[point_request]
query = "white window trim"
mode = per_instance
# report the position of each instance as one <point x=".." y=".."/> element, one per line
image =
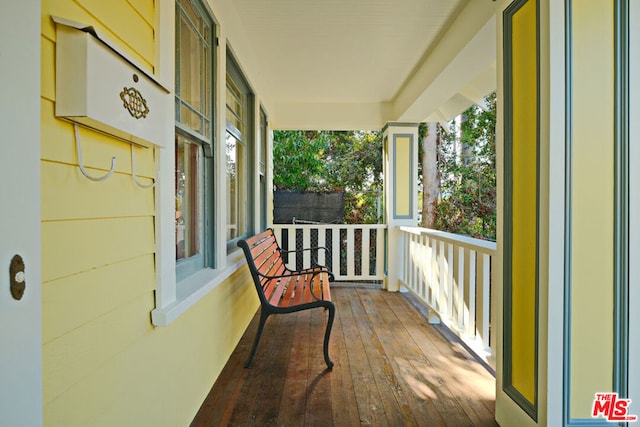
<point x="191" y="290"/>
<point x="175" y="298"/>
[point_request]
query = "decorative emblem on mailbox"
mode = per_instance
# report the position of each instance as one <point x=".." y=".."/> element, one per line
<point x="133" y="101"/>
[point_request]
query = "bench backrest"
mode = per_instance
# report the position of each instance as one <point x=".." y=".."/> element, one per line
<point x="264" y="259"/>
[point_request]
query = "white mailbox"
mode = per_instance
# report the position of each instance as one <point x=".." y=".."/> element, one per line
<point x="98" y="87"/>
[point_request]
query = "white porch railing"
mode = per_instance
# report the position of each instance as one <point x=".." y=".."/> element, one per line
<point x="449" y="273"/>
<point x="452" y="275"/>
<point x="355" y="252"/>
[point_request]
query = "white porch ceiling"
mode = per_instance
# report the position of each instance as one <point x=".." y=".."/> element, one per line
<point x="349" y="64"/>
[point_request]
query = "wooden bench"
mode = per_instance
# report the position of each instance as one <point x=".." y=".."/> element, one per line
<point x="282" y="290"/>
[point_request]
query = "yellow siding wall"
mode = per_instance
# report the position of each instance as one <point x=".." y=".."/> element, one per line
<point x="592" y="199"/>
<point x="104" y="364"/>
<point x="524" y="216"/>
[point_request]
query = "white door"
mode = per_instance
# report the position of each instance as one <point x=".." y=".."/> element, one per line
<point x="20" y="320"/>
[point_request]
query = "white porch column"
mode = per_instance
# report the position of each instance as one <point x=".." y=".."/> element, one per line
<point x="401" y="193"/>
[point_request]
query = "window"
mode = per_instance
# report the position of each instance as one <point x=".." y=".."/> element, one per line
<point x="188" y="201"/>
<point x="193" y="147"/>
<point x="194" y="77"/>
<point x="205" y="155"/>
<point x="262" y="168"/>
<point x="238" y="146"/>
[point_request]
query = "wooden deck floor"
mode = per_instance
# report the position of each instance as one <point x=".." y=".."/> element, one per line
<point x="391" y="369"/>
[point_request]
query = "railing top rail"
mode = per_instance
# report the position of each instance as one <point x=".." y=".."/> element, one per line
<point x="479" y="245"/>
<point x="329" y="226"/>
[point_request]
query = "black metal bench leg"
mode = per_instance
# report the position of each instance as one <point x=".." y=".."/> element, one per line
<point x="327" y="334"/>
<point x="263" y="318"/>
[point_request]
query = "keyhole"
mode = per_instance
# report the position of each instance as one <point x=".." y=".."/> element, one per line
<point x="17" y="282"/>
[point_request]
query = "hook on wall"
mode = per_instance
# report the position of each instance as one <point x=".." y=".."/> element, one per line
<point x="133" y="171"/>
<point x="80" y="162"/>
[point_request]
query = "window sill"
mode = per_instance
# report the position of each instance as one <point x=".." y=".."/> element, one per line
<point x="192" y="289"/>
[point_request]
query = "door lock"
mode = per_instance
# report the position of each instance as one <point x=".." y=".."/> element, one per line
<point x="17" y="277"/>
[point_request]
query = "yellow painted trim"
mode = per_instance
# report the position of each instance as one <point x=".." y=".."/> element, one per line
<point x="524" y="199"/>
<point x="402" y="163"/>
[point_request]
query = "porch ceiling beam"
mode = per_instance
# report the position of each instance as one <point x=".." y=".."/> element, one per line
<point x="438" y="117"/>
<point x="463" y="61"/>
<point x="330" y="116"/>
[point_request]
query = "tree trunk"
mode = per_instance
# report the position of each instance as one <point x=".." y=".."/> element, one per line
<point x="430" y="176"/>
<point x="466" y="153"/>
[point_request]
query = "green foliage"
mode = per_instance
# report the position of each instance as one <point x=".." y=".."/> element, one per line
<point x="467" y="166"/>
<point x="332" y="161"/>
<point x="352" y="162"/>
<point x="298" y="160"/>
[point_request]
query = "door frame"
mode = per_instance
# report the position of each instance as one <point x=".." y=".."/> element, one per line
<point x="634" y="211"/>
<point x="21" y="401"/>
<point x="551" y="208"/>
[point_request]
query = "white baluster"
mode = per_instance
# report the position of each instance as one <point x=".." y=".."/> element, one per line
<point x="366" y="234"/>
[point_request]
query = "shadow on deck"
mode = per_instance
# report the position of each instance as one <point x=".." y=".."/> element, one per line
<point x="391" y="369"/>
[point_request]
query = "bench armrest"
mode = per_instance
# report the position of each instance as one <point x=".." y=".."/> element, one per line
<point x="314" y="248"/>
<point x="315" y="269"/>
<point x="314" y="259"/>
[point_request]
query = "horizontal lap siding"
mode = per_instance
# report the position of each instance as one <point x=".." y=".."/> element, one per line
<point x="106" y="288"/>
<point x="129" y="24"/>
<point x="59" y="146"/>
<point x="158" y="376"/>
<point x="81" y="351"/>
<point x="76" y="246"/>
<point x="98" y="238"/>
<point x="104" y="363"/>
